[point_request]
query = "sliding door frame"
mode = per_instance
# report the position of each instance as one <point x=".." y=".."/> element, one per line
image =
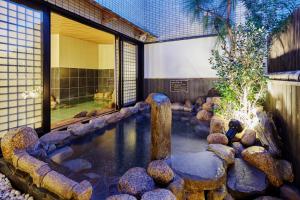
<point x="46" y="9"/>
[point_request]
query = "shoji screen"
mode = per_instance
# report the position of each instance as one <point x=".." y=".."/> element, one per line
<point x="20" y="66"/>
<point x="129" y="73"/>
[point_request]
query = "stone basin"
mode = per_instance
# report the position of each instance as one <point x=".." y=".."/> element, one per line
<point x="200" y="171"/>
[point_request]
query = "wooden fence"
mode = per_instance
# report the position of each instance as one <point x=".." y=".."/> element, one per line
<point x="284" y="93"/>
<point x="285" y="51"/>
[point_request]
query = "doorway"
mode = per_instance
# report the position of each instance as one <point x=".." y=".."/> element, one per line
<point x="82" y="71"/>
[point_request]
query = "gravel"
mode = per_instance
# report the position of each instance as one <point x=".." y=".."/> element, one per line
<point x="8" y="193"/>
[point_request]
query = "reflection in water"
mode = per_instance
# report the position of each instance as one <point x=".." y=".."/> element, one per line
<point x="127" y="144"/>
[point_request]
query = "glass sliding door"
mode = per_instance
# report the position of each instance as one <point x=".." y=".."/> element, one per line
<point x="129" y="73"/>
<point x="82" y="71"/>
<point x="21" y="84"/>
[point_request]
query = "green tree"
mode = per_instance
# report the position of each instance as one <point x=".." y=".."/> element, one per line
<point x="239" y="59"/>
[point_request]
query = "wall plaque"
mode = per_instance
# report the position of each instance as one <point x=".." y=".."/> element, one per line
<point x="179" y="85"/>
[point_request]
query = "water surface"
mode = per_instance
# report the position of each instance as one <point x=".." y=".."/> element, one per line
<point x="119" y="147"/>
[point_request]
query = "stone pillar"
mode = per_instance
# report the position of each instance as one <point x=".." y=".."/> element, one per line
<point x="161" y="124"/>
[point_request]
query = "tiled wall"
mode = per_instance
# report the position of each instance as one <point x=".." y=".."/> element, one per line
<point x="72" y="85"/>
<point x="92" y="12"/>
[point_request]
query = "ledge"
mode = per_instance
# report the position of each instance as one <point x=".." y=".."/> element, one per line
<point x="285" y="76"/>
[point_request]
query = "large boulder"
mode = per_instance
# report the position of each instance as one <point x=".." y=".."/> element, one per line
<point x="217" y="138"/>
<point x="160" y="171"/>
<point x="200" y="171"/>
<point x="217" y="125"/>
<point x="80" y="129"/>
<point x="61" y="155"/>
<point x="126" y="111"/>
<point x="121" y="197"/>
<point x="142" y="106"/>
<point x="55" y="137"/>
<point x="159" y="194"/>
<point x="267" y="134"/>
<point x="98" y="123"/>
<point x="248" y="138"/>
<point x="289" y="192"/>
<point x="77" y="165"/>
<point x="244" y="180"/>
<point x="204" y="115"/>
<point x="18" y="139"/>
<point x="136" y="182"/>
<point x="260" y="158"/>
<point x="224" y="152"/>
<point x="177" y="187"/>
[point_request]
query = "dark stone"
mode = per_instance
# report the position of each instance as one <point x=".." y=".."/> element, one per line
<point x="159" y="194"/>
<point x="245" y="181"/>
<point x="200" y="171"/>
<point x="55" y="137"/>
<point x="136" y="182"/>
<point x="160" y="171"/>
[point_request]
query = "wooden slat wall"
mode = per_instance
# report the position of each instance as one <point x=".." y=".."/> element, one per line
<point x="284" y="96"/>
<point x="285" y="51"/>
<point x="197" y="87"/>
<point x="284" y="101"/>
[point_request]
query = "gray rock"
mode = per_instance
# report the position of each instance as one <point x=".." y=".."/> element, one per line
<point x="159" y="194"/>
<point x="98" y="123"/>
<point x="62" y="154"/>
<point x="55" y="137"/>
<point x="142" y="106"/>
<point x="121" y="197"/>
<point x="200" y="171"/>
<point x="217" y="138"/>
<point x="77" y="165"/>
<point x="126" y="111"/>
<point x="160" y="171"/>
<point x="244" y="180"/>
<point x="136" y="182"/>
<point x="224" y="152"/>
<point x="248" y="138"/>
<point x="80" y="129"/>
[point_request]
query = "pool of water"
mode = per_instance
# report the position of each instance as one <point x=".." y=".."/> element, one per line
<point x="68" y="112"/>
<point x="111" y="152"/>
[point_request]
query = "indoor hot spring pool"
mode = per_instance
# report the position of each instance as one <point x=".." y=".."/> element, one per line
<point x="104" y="156"/>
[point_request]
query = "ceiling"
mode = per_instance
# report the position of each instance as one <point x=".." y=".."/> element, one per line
<point x="71" y="28"/>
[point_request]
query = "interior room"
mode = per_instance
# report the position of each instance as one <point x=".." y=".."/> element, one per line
<point x="82" y="70"/>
